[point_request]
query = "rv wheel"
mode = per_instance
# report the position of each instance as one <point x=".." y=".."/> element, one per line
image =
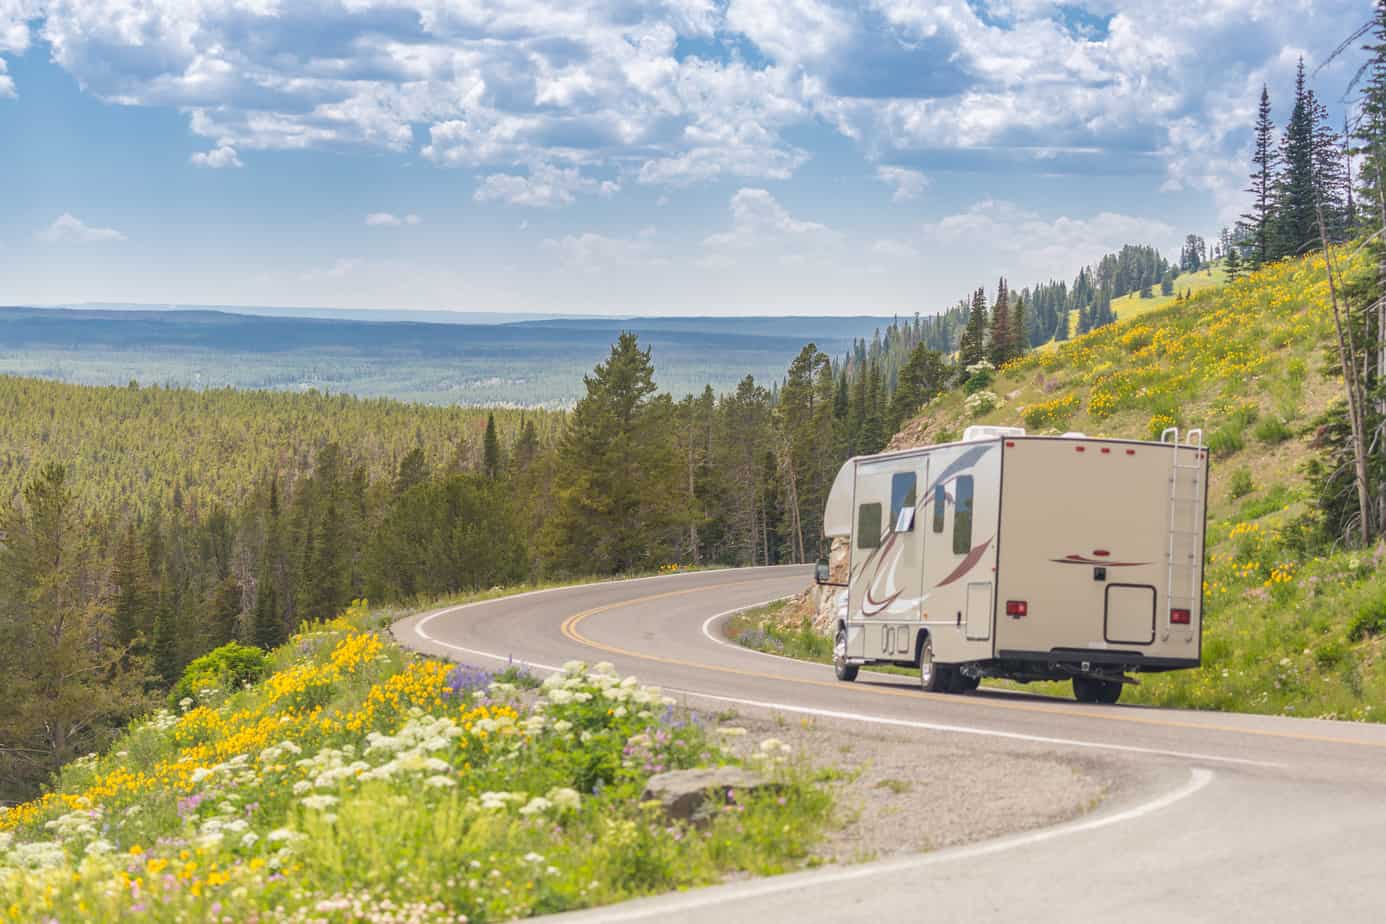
<point x="1085" y="689"/>
<point x="1109" y="692"/>
<point x="933" y="678"/>
<point x="844" y="671"/>
<point x="963" y="683"/>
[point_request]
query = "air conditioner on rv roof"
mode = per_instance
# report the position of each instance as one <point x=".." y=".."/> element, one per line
<point x="990" y="433"/>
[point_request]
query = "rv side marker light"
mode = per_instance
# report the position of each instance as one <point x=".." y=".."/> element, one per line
<point x="1080" y="449"/>
<point x="1105" y="450"/>
<point x="1179" y="617"/>
<point x="1130" y="452"/>
<point x="1016" y="608"/>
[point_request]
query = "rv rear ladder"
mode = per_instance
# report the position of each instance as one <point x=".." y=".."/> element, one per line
<point x="1185" y="538"/>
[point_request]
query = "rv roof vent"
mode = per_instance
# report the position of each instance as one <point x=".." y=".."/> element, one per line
<point x="1075" y="435"/>
<point x="990" y="433"/>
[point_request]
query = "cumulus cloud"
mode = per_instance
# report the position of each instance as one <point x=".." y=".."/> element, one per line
<point x="68" y="227"/>
<point x="591" y="252"/>
<point x="759" y="220"/>
<point x="909" y="184"/>
<point x="218" y="158"/>
<point x="539" y="96"/>
<point x="546" y="186"/>
<point x="1033" y="247"/>
<point x="390" y="220"/>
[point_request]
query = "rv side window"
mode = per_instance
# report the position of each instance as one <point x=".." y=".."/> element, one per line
<point x="869" y="526"/>
<point x="902" y="498"/>
<point x="940" y="502"/>
<point x="962" y="516"/>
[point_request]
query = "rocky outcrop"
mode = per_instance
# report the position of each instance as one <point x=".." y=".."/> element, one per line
<point x="694" y="795"/>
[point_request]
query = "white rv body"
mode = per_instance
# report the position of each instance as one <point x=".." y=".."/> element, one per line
<point x="1027" y="557"/>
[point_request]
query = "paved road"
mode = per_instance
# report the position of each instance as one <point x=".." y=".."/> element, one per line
<point x="1238" y="817"/>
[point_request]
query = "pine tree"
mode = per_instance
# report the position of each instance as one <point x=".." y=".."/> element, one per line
<point x="224" y="612"/>
<point x="873" y="435"/>
<point x="1295" y="226"/>
<point x="491" y="451"/>
<point x="1233" y="263"/>
<point x="922" y="377"/>
<point x="165" y="646"/>
<point x="1331" y="182"/>
<point x="1000" y="347"/>
<point x="1020" y="329"/>
<point x="132" y="616"/>
<point x="1264" y="162"/>
<point x="413" y="469"/>
<point x="268" y="625"/>
<point x="972" y="348"/>
<point x="617" y="475"/>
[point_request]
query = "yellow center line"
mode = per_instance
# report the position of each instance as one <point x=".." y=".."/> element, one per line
<point x="570" y="631"/>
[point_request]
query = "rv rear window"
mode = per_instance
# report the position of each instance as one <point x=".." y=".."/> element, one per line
<point x="940" y="503"/>
<point x="869" y="526"/>
<point x="902" y="487"/>
<point x="962" y="515"/>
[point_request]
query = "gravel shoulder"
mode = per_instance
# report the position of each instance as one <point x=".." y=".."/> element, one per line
<point x="900" y="791"/>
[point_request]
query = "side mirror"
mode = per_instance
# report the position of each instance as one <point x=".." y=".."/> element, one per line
<point x="821" y="572"/>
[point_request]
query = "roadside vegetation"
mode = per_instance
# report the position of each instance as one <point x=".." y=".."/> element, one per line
<point x="353" y="782"/>
<point x="1295" y="621"/>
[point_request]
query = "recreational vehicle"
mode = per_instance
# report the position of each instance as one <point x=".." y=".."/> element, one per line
<point x="1027" y="557"/>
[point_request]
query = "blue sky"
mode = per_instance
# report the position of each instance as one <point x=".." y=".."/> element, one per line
<point x="683" y="156"/>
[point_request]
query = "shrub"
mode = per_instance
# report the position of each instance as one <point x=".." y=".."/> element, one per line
<point x="983" y="402"/>
<point x="1241" y="484"/>
<point x="1158" y="425"/>
<point x="227" y="668"/>
<point x="1225" y="440"/>
<point x="1272" y="430"/>
<point x="1370" y="618"/>
<point x="1054" y="413"/>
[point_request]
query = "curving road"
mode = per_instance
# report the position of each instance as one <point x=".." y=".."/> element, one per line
<point x="1237" y="817"/>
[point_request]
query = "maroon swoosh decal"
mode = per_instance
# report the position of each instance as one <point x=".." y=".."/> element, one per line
<point x="967" y="564"/>
<point x="1080" y="560"/>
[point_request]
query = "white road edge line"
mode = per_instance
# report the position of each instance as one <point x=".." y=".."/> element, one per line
<point x="971" y="730"/>
<point x="829" y="713"/>
<point x="1199" y="778"/>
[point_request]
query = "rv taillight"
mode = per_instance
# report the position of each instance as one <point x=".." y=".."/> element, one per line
<point x="1179" y="617"/>
<point x="1016" y="608"/>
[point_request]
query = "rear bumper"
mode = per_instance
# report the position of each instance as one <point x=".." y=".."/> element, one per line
<point x="1069" y="660"/>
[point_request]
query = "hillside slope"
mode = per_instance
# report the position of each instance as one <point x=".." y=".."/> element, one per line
<point x="1291" y="625"/>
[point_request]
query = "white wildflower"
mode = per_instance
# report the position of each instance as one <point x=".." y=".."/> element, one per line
<point x="440" y="781"/>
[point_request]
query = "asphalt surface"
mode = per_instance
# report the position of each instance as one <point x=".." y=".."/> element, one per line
<point x="1236" y="817"/>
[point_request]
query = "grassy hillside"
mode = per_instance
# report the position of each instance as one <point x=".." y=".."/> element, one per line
<point x="357" y="783"/>
<point x="1289" y="627"/>
<point x="1132" y="306"/>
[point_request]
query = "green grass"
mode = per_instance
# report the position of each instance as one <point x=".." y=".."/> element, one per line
<point x="357" y="782"/>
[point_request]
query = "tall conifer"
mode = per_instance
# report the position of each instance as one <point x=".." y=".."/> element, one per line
<point x="1264" y="160"/>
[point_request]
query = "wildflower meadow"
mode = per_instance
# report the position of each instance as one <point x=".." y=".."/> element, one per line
<point x="359" y="783"/>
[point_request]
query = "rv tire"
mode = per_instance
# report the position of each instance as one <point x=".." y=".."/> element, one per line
<point x="1109" y="692"/>
<point x="1093" y="690"/>
<point x="933" y="678"/>
<point x="963" y="683"/>
<point x="841" y="669"/>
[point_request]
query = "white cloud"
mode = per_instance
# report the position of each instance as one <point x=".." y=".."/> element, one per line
<point x="7" y="90"/>
<point x="758" y="219"/>
<point x="546" y="186"/>
<point x="218" y="158"/>
<point x="894" y="250"/>
<point x="592" y="252"/>
<point x="1029" y="248"/>
<point x="390" y="220"/>
<point x="909" y="184"/>
<point x="540" y="96"/>
<point x="68" y="227"/>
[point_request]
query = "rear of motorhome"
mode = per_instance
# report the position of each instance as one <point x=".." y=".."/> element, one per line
<point x="1027" y="557"/>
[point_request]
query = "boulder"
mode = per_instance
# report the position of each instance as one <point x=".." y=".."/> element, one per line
<point x="693" y="795"/>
